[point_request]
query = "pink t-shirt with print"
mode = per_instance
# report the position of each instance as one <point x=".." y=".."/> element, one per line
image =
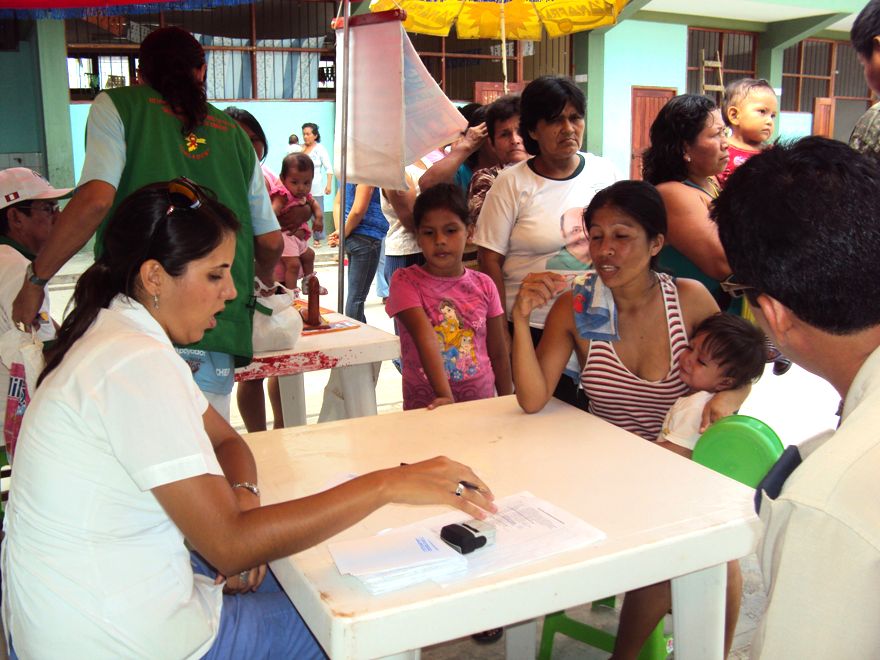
<point x="458" y="308"/>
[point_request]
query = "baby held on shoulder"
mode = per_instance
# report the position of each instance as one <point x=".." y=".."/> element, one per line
<point x="726" y="352"/>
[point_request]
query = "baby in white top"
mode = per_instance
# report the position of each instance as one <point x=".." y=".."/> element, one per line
<point x="726" y="352"/>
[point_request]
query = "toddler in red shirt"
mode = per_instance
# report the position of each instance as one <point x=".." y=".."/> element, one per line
<point x="749" y="109"/>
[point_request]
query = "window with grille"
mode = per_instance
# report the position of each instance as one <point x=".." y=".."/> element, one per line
<point x="738" y="52"/>
<point x="821" y="68"/>
<point x="277" y="49"/>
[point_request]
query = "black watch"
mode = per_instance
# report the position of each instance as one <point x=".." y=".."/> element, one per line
<point x="32" y="276"/>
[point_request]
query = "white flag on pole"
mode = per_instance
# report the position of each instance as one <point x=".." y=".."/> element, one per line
<point x="396" y="111"/>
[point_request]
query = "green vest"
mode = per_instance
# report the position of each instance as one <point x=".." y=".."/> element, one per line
<point x="216" y="155"/>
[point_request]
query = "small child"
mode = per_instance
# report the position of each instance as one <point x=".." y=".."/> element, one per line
<point x="452" y="326"/>
<point x="293" y="145"/>
<point x="749" y="109"/>
<point x="725" y="353"/>
<point x="294" y="205"/>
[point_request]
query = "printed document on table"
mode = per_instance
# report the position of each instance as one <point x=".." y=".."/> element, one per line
<point x="526" y="528"/>
<point x="400" y="549"/>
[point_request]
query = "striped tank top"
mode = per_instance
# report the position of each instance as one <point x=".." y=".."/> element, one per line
<point x="619" y="396"/>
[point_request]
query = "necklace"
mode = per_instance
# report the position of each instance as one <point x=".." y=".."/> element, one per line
<point x="713" y="191"/>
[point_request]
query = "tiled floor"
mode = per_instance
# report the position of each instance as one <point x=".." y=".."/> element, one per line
<point x="797" y="405"/>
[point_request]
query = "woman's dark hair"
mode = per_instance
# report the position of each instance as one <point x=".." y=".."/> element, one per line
<point x="677" y="125"/>
<point x="467" y="110"/>
<point x="443" y="196"/>
<point x="168" y="59"/>
<point x="149" y="224"/>
<point x="738" y="346"/>
<point x="245" y="118"/>
<point x="314" y="128"/>
<point x="637" y="199"/>
<point x="500" y="110"/>
<point x="299" y="162"/>
<point x="545" y="98"/>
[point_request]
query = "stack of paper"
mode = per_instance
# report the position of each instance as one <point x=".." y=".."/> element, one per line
<point x="526" y="529"/>
<point x="398" y="559"/>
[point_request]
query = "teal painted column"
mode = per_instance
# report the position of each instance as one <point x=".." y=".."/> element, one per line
<point x="595" y="90"/>
<point x="52" y="58"/>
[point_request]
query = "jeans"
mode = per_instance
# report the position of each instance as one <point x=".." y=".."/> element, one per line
<point x="263" y="624"/>
<point x="381" y="280"/>
<point x="363" y="259"/>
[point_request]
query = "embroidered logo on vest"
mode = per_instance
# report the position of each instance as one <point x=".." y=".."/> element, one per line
<point x="193" y="143"/>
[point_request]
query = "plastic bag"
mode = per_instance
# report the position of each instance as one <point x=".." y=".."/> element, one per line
<point x="277" y="323"/>
<point x="22" y="354"/>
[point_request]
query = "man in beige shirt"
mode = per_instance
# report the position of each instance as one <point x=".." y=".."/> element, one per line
<point x="801" y="228"/>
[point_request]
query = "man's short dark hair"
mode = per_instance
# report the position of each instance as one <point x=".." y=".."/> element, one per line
<point x="499" y="111"/>
<point x="738" y="346"/>
<point x="801" y="223"/>
<point x="865" y="28"/>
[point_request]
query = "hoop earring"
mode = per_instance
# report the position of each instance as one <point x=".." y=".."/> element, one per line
<point x="155" y="301"/>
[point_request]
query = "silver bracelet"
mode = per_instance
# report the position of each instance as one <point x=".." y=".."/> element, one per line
<point x="248" y="486"/>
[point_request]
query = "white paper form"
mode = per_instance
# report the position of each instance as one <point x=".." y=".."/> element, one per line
<point x="408" y="547"/>
<point x="526" y="528"/>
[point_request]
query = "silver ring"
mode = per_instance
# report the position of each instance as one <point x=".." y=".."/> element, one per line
<point x="243" y="576"/>
<point x="459" y="489"/>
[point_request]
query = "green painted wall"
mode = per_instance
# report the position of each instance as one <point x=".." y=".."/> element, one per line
<point x="55" y="96"/>
<point x="643" y="55"/>
<point x="20" y="105"/>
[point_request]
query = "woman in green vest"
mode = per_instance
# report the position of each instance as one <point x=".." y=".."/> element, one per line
<point x="155" y="131"/>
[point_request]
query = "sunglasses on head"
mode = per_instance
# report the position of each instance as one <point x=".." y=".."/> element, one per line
<point x="735" y="289"/>
<point x="184" y="194"/>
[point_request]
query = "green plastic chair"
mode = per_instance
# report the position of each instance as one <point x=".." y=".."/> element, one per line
<point x="740" y="447"/>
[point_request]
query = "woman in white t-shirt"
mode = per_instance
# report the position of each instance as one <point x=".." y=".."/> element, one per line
<point x="322" y="182"/>
<point x="121" y="461"/>
<point x="530" y="221"/>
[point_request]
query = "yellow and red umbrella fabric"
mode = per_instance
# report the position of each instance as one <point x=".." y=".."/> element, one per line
<point x="522" y="19"/>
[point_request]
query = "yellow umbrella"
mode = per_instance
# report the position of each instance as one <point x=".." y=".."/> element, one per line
<point x="511" y="19"/>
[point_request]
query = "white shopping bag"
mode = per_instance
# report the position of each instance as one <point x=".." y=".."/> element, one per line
<point x="22" y="355"/>
<point x="277" y="323"/>
<point x="396" y="111"/>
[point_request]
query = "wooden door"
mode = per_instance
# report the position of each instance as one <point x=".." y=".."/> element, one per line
<point x="646" y="103"/>
<point x="823" y="117"/>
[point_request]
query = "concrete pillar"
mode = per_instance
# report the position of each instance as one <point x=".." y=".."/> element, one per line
<point x="55" y="94"/>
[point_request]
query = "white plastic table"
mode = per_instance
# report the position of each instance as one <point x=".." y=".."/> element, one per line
<point x="665" y="518"/>
<point x="354" y="354"/>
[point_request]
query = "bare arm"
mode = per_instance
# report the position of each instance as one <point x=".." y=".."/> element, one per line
<point x="443" y="171"/>
<point x="267" y="252"/>
<point x="425" y="337"/>
<point x="691" y="232"/>
<point x="359" y="207"/>
<point x="499" y="354"/>
<point x="206" y="510"/>
<point x="402" y="201"/>
<point x="75" y="225"/>
<point x="536" y="372"/>
<point x="492" y="263"/>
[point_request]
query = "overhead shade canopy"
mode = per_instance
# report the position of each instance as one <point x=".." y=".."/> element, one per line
<point x="81" y="8"/>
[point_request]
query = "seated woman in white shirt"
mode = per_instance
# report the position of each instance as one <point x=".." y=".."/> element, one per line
<point x="121" y="460"/>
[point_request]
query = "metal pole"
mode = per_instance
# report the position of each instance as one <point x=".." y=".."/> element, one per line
<point x="343" y="179"/>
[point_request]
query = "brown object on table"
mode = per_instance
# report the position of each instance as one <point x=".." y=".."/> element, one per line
<point x="313" y="316"/>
